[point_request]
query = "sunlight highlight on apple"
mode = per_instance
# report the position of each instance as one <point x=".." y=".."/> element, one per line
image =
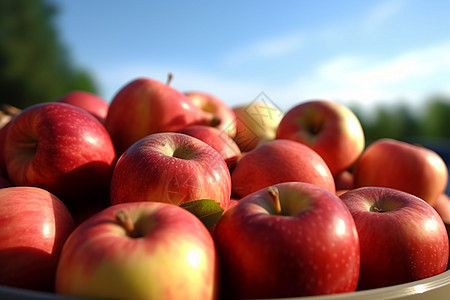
<point x="340" y="229"/>
<point x="194" y="258"/>
<point x="430" y="225"/>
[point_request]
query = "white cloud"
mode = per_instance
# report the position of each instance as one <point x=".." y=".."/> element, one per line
<point x="413" y="75"/>
<point x="381" y="13"/>
<point x="266" y="49"/>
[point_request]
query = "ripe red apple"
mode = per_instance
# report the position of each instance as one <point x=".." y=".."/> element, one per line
<point x="217" y="139"/>
<point x="90" y="102"/>
<point x="60" y="148"/>
<point x="139" y="250"/>
<point x="328" y="127"/>
<point x="279" y="161"/>
<point x="3" y="132"/>
<point x="403" y="166"/>
<point x="442" y="206"/>
<point x="220" y="111"/>
<point x="402" y="237"/>
<point x="344" y="181"/>
<point x="256" y="124"/>
<point x="34" y="225"/>
<point x="173" y="168"/>
<point x="4" y="182"/>
<point x="145" y="106"/>
<point x="288" y="240"/>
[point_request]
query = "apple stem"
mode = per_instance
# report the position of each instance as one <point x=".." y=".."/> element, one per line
<point x="376" y="209"/>
<point x="275" y="195"/>
<point x="124" y="220"/>
<point x="215" y="121"/>
<point x="169" y="78"/>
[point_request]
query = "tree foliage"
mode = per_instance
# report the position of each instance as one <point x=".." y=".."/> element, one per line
<point x="34" y="65"/>
<point x="401" y="123"/>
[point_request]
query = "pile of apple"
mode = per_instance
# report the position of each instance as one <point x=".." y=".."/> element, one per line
<point x="161" y="194"/>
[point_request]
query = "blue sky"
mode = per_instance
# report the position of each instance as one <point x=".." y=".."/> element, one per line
<point x="364" y="52"/>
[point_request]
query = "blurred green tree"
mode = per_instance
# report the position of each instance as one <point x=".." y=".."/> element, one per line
<point x="435" y="121"/>
<point x="396" y="122"/>
<point x="34" y="65"/>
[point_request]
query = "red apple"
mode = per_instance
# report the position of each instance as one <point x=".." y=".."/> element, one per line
<point x="4" y="182"/>
<point x="279" y="161"/>
<point x="256" y="124"/>
<point x="139" y="250"/>
<point x="403" y="166"/>
<point x="402" y="237"/>
<point x="288" y="240"/>
<point x="60" y="148"/>
<point x="34" y="225"/>
<point x="344" y="181"/>
<point x="3" y="132"/>
<point x="220" y="111"/>
<point x="330" y="128"/>
<point x="90" y="102"/>
<point x="173" y="168"/>
<point x="442" y="206"/>
<point x="145" y="106"/>
<point x="217" y="139"/>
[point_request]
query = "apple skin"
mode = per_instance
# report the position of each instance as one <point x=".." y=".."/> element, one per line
<point x="217" y="139"/>
<point x="442" y="206"/>
<point x="329" y="128"/>
<point x="60" y="148"/>
<point x="90" y="102"/>
<point x="224" y="114"/>
<point x="172" y="168"/>
<point x="402" y="238"/>
<point x="169" y="255"/>
<point x="34" y="225"/>
<point x="4" y="182"/>
<point x="403" y="166"/>
<point x="279" y="161"/>
<point x="344" y="181"/>
<point x="308" y="247"/>
<point x="145" y="106"/>
<point x="3" y="133"/>
<point x="256" y="124"/>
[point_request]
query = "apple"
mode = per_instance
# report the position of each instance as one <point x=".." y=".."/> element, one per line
<point x="344" y="181"/>
<point x="442" y="206"/>
<point x="256" y="124"/>
<point x="402" y="238"/>
<point x="221" y="112"/>
<point x="173" y="168"/>
<point x="145" y="106"/>
<point x="60" y="148"/>
<point x="279" y="161"/>
<point x="3" y="133"/>
<point x="403" y="166"/>
<point x="287" y="240"/>
<point x="139" y="250"/>
<point x="34" y="225"/>
<point x="4" y="182"/>
<point x="330" y="128"/>
<point x="90" y="102"/>
<point x="7" y="113"/>
<point x="217" y="139"/>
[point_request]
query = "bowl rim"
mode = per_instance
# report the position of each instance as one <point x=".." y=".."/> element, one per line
<point x="439" y="281"/>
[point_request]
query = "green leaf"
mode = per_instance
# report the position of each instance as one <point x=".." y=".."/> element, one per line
<point x="207" y="210"/>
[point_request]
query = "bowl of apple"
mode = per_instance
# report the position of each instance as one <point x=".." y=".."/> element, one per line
<point x="294" y="229"/>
